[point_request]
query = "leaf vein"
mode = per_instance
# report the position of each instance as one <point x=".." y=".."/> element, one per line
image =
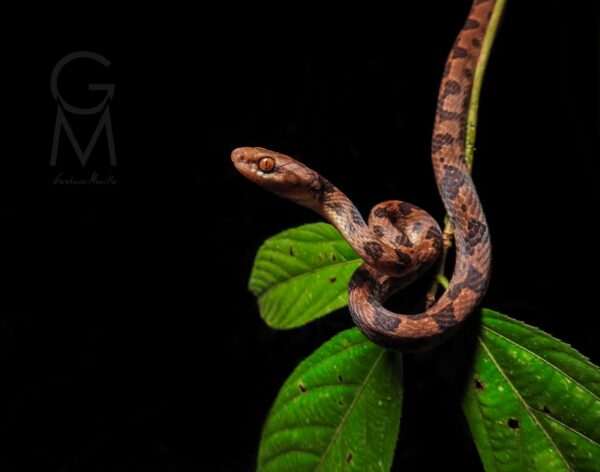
<point x="523" y="402"/>
<point x="350" y="408"/>
<point x="555" y="367"/>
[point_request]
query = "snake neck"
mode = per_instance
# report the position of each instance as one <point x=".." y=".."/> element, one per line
<point x="339" y="210"/>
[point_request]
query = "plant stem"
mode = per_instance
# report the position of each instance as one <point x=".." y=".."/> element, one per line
<point x="488" y="41"/>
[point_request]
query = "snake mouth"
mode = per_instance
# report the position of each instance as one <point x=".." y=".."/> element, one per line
<point x="239" y="154"/>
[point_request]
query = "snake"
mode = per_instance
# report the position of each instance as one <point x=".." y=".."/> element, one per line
<point x="400" y="241"/>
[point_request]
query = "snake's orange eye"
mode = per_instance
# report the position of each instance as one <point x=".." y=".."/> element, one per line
<point x="266" y="164"/>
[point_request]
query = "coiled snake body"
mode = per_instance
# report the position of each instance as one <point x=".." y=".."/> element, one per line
<point x="401" y="241"/>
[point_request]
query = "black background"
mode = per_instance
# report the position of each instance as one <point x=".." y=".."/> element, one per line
<point x="129" y="340"/>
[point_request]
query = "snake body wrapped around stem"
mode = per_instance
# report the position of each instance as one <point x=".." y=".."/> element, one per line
<point x="401" y="241"/>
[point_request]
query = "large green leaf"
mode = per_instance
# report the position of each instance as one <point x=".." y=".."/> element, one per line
<point x="339" y="410"/>
<point x="534" y="402"/>
<point x="302" y="274"/>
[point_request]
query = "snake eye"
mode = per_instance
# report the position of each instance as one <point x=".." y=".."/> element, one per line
<point x="266" y="164"/>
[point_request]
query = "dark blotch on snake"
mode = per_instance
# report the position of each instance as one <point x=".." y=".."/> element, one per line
<point x="406" y="208"/>
<point x="477" y="232"/>
<point x="434" y="235"/>
<point x="388" y="212"/>
<point x="404" y="260"/>
<point x="472" y="24"/>
<point x="440" y="140"/>
<point x="402" y="240"/>
<point x="474" y="281"/>
<point x="324" y="187"/>
<point x="378" y="231"/>
<point x="373" y="249"/>
<point x="336" y="207"/>
<point x="452" y="180"/>
<point x="459" y="52"/>
<point x="444" y="317"/>
<point x="386" y="322"/>
<point x="357" y="218"/>
<point x="446" y="115"/>
<point x="361" y="278"/>
<point x="451" y="87"/>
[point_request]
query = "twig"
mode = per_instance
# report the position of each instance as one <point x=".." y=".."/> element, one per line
<point x="484" y="55"/>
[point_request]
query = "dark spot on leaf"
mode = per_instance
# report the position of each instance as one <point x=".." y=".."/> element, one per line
<point x="340" y="379"/>
<point x="302" y="387"/>
<point x="291" y="251"/>
<point x="333" y="257"/>
<point x="349" y="458"/>
<point x="341" y="403"/>
<point x="546" y="409"/>
<point x="513" y="423"/>
<point x="332" y="280"/>
<point x="479" y="385"/>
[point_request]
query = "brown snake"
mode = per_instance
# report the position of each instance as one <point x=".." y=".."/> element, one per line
<point x="401" y="241"/>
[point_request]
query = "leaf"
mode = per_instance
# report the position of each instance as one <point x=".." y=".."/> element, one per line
<point x="534" y="402"/>
<point x="302" y="274"/>
<point x="339" y="410"/>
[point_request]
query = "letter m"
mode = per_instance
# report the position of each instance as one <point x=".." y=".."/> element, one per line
<point x="62" y="122"/>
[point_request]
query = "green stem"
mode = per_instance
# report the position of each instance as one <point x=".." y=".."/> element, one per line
<point x="443" y="281"/>
<point x="484" y="56"/>
<point x="482" y="62"/>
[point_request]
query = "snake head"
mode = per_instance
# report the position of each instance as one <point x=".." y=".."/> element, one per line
<point x="278" y="173"/>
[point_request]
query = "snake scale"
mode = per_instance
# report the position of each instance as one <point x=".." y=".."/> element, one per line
<point x="401" y="241"/>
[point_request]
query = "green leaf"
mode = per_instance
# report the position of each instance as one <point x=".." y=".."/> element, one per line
<point x="534" y="402"/>
<point x="339" y="410"/>
<point x="302" y="274"/>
